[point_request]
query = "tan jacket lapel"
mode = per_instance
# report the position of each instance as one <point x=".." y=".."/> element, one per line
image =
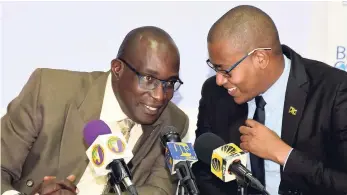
<point x="73" y="159"/>
<point x="147" y="140"/>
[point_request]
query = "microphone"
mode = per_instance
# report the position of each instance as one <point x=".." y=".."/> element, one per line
<point x="108" y="153"/>
<point x="227" y="160"/>
<point x="179" y="157"/>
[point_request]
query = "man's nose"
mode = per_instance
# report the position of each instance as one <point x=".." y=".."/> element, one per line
<point x="158" y="93"/>
<point x="220" y="79"/>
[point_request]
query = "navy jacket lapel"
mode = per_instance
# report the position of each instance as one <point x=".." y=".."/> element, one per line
<point x="296" y="93"/>
<point x="295" y="100"/>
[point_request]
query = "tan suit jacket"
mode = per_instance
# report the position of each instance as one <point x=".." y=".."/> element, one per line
<point x="42" y="133"/>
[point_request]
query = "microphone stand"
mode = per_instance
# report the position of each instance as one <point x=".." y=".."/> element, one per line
<point x="244" y="178"/>
<point x="113" y="186"/>
<point x="121" y="173"/>
<point x="241" y="187"/>
<point x="186" y="177"/>
<point x="181" y="190"/>
<point x="117" y="189"/>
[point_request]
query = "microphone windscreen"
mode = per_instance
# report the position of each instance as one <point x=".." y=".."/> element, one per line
<point x="169" y="134"/>
<point x="93" y="129"/>
<point x="167" y="129"/>
<point x="205" y="144"/>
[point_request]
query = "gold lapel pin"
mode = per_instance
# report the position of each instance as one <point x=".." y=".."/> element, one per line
<point x="292" y="110"/>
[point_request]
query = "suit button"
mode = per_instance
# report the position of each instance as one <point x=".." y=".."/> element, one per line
<point x="30" y="183"/>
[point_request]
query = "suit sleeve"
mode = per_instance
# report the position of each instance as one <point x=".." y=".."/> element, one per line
<point x="208" y="183"/>
<point x="317" y="174"/>
<point x="19" y="130"/>
<point x="203" y="123"/>
<point x="160" y="181"/>
<point x="185" y="127"/>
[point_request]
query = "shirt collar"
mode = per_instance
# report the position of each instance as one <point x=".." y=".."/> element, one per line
<point x="111" y="110"/>
<point x="278" y="89"/>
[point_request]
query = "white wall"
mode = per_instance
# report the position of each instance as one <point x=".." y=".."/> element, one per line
<point x="85" y="36"/>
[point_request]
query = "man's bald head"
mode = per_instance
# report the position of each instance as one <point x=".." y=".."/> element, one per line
<point x="145" y="73"/>
<point x="146" y="39"/>
<point x="246" y="28"/>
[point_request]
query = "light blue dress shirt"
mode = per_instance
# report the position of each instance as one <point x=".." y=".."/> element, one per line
<point x="274" y="98"/>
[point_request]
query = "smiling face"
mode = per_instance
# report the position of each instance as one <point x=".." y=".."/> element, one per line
<point x="245" y="81"/>
<point x="154" y="60"/>
<point x="245" y="29"/>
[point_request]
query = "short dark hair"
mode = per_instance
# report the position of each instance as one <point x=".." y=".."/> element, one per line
<point x="247" y="27"/>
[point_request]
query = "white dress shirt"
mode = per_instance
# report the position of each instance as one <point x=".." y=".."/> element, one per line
<point x="274" y="98"/>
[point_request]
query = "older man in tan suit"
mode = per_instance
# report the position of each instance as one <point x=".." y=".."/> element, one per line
<point x="42" y="129"/>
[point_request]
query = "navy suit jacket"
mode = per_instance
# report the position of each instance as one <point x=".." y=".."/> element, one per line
<point x="318" y="131"/>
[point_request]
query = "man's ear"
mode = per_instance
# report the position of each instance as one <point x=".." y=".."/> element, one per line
<point x="261" y="59"/>
<point x="117" y="68"/>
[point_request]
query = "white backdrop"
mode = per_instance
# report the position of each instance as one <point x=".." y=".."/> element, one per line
<point x="85" y="36"/>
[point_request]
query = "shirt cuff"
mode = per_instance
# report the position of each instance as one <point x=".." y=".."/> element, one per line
<point x="285" y="162"/>
<point x="11" y="192"/>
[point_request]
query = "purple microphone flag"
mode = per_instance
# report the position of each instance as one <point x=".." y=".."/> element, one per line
<point x="93" y="129"/>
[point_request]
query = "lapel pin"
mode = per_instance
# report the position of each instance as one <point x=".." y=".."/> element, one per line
<point x="292" y="110"/>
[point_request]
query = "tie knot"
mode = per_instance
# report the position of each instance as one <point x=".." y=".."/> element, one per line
<point x="127" y="123"/>
<point x="260" y="102"/>
<point x="125" y="127"/>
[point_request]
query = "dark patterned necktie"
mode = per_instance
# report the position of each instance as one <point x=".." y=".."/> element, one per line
<point x="257" y="163"/>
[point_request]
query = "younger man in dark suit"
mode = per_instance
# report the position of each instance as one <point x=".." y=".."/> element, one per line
<point x="288" y="112"/>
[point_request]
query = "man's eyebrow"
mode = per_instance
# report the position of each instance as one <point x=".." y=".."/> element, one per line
<point x="150" y="72"/>
<point x="175" y="77"/>
<point x="216" y="65"/>
<point x="154" y="73"/>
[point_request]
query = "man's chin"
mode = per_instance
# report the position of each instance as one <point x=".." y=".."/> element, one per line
<point x="240" y="100"/>
<point x="146" y="119"/>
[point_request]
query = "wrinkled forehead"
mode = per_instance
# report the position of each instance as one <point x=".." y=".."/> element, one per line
<point x="221" y="50"/>
<point x="151" y="57"/>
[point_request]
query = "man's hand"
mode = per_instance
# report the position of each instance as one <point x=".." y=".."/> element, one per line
<point x="51" y="186"/>
<point x="263" y="142"/>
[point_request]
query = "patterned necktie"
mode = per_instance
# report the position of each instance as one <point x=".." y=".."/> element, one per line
<point x="257" y="163"/>
<point x="125" y="127"/>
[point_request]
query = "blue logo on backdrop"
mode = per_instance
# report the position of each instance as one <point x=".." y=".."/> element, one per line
<point x="341" y="58"/>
